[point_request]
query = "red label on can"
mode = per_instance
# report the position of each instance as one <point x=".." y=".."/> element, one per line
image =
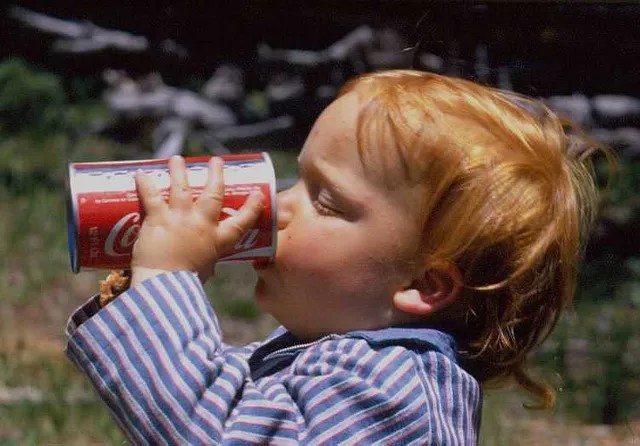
<point x="105" y="214"/>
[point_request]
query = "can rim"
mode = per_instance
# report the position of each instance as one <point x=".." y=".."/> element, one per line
<point x="72" y="221"/>
<point x="274" y="205"/>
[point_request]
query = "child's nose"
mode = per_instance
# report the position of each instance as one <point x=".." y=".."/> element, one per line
<point x="286" y="200"/>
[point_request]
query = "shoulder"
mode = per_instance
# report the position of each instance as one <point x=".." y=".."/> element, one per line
<point x="428" y="353"/>
<point x="387" y="376"/>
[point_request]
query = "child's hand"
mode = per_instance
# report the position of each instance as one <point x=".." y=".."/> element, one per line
<point x="183" y="234"/>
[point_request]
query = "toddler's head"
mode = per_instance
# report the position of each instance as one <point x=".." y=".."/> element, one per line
<point x="508" y="197"/>
<point x="430" y="200"/>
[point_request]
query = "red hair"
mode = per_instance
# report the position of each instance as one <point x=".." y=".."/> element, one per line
<point x="510" y="197"/>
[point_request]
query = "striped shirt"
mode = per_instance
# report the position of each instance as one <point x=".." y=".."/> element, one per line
<point x="156" y="357"/>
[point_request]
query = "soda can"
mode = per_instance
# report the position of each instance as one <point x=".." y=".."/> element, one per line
<point x="105" y="215"/>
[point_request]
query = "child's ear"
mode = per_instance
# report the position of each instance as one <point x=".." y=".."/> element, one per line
<point x="436" y="290"/>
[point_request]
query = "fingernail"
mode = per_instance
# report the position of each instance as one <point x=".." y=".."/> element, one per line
<point x="258" y="196"/>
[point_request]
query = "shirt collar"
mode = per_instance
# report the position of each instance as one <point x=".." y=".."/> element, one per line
<point x="416" y="337"/>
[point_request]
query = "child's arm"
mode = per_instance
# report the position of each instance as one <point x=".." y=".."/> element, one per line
<point x="156" y="358"/>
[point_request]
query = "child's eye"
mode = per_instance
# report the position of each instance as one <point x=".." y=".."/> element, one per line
<point x="323" y="209"/>
<point x="324" y="205"/>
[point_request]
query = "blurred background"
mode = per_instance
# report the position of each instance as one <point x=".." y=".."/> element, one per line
<point x="85" y="81"/>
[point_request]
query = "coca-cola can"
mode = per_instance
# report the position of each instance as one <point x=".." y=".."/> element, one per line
<point x="105" y="215"/>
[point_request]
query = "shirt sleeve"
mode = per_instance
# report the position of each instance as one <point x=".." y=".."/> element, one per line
<point x="82" y="314"/>
<point x="152" y="354"/>
<point x="156" y="358"/>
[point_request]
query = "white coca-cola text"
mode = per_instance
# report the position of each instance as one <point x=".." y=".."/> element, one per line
<point x="249" y="239"/>
<point x="122" y="236"/>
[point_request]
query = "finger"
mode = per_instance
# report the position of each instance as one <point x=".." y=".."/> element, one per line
<point x="179" y="193"/>
<point x="150" y="196"/>
<point x="210" y="201"/>
<point x="231" y="230"/>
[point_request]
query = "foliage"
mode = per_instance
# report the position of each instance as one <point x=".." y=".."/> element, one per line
<point x="29" y="99"/>
<point x="596" y="347"/>
<point x="285" y="164"/>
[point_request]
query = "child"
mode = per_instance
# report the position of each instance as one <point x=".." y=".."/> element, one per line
<point x="429" y="245"/>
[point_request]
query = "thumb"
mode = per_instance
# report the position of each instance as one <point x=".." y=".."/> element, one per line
<point x="231" y="230"/>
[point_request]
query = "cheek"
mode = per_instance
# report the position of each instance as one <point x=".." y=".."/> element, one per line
<point x="305" y="235"/>
<point x="303" y="249"/>
<point x="319" y="261"/>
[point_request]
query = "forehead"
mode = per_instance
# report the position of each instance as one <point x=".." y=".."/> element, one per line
<point x="334" y="149"/>
<point x="345" y="134"/>
<point x="334" y="132"/>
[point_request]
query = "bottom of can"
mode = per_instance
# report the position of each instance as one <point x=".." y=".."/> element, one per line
<point x="72" y="237"/>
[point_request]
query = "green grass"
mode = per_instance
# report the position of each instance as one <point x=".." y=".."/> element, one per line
<point x="231" y="291"/>
<point x="65" y="410"/>
<point x="33" y="245"/>
<point x="55" y="423"/>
